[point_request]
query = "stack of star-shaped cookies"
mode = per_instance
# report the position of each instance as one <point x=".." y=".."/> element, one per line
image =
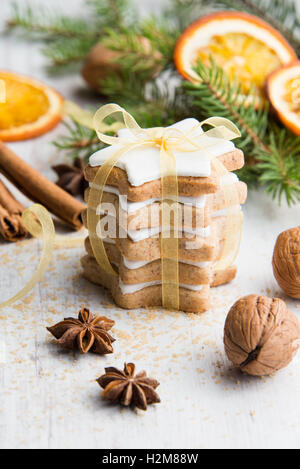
<point x="131" y="217"/>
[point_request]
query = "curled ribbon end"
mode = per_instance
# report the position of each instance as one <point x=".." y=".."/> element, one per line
<point x="38" y="222"/>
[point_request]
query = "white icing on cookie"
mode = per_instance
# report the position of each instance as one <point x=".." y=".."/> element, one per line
<point x="126" y="289"/>
<point x="143" y="164"/>
<point x="227" y="179"/>
<point x="145" y="233"/>
<point x="131" y="207"/>
<point x="223" y="212"/>
<point x="132" y="265"/>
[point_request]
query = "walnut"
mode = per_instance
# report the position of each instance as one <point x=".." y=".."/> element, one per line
<point x="261" y="335"/>
<point x="286" y="262"/>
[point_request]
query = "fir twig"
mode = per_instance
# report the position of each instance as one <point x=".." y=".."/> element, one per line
<point x="116" y="14"/>
<point x="69" y="39"/>
<point x="47" y="23"/>
<point x="272" y="153"/>
<point x="279" y="168"/>
<point x="80" y="142"/>
<point x="64" y="51"/>
<point x="215" y="94"/>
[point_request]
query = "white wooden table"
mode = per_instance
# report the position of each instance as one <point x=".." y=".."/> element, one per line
<point x="49" y="398"/>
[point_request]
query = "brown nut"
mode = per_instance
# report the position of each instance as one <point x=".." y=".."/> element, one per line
<point x="99" y="61"/>
<point x="261" y="335"/>
<point x="286" y="262"/>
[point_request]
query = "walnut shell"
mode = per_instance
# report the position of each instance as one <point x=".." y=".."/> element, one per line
<point x="100" y="61"/>
<point x="261" y="335"/>
<point x="286" y="262"/>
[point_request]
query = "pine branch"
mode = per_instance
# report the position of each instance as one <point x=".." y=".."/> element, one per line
<point x="46" y="22"/>
<point x="162" y="35"/>
<point x="64" y="51"/>
<point x="70" y="39"/>
<point x="280" y="168"/>
<point x="115" y="21"/>
<point x="217" y="95"/>
<point x="80" y="142"/>
<point x="272" y="153"/>
<point x="116" y="14"/>
<point x="124" y="87"/>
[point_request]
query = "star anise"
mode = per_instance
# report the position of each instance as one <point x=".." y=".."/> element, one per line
<point x="71" y="177"/>
<point x="129" y="389"/>
<point x="88" y="333"/>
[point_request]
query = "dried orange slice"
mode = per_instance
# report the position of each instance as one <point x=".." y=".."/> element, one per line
<point x="283" y="88"/>
<point x="243" y="45"/>
<point x="30" y="108"/>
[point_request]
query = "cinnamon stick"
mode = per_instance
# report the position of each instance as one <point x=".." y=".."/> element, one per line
<point x="11" y="225"/>
<point x="39" y="189"/>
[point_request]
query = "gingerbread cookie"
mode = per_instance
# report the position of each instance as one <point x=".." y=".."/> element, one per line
<point x="131" y="203"/>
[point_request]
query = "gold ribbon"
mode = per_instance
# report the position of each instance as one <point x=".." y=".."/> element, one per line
<point x="167" y="140"/>
<point x="42" y="228"/>
<point x="86" y="118"/>
<point x="37" y="219"/>
<point x="39" y="224"/>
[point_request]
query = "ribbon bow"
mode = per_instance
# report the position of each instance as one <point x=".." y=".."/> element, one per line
<point x="167" y="140"/>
